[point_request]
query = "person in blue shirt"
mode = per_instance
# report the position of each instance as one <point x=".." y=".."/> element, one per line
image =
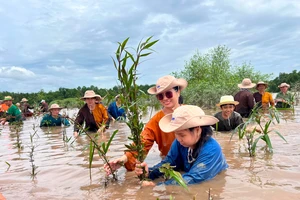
<point x="115" y="109"/>
<point x="194" y="151"/>
<point x="54" y="118"/>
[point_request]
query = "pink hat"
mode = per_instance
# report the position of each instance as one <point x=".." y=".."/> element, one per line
<point x="246" y="83"/>
<point x="184" y="117"/>
<point x="166" y="83"/>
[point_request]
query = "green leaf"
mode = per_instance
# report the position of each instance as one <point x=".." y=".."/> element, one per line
<point x="280" y="136"/>
<point x="91" y="155"/>
<point x="268" y="141"/>
<point x="150" y="44"/>
<point x="145" y="54"/>
<point x="109" y="141"/>
<point x="124" y="43"/>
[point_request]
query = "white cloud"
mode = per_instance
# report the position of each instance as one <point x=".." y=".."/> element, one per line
<point x="161" y="18"/>
<point x="16" y="73"/>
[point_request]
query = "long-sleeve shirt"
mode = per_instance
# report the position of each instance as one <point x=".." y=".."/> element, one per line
<point x="13" y="114"/>
<point x="246" y="102"/>
<point x="151" y="134"/>
<point x="288" y="97"/>
<point x="115" y="111"/>
<point x="49" y="120"/>
<point x="209" y="162"/>
<point x="94" y="120"/>
<point x="229" y="124"/>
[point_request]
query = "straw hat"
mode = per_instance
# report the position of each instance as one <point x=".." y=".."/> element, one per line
<point x="55" y="106"/>
<point x="227" y="99"/>
<point x="184" y="117"/>
<point x="166" y="83"/>
<point x="8" y="98"/>
<point x="261" y="83"/>
<point x="98" y="97"/>
<point x="284" y="85"/>
<point x="246" y="83"/>
<point x="43" y="101"/>
<point x="90" y="94"/>
<point x="24" y="100"/>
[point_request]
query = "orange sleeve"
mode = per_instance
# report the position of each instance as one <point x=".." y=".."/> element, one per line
<point x="104" y="113"/>
<point x="151" y="134"/>
<point x="267" y="98"/>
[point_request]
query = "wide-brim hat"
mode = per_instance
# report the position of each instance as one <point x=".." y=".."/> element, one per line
<point x="8" y="98"/>
<point x="55" y="106"/>
<point x="284" y="85"/>
<point x="90" y="94"/>
<point x="98" y="97"/>
<point x="246" y="83"/>
<point x="261" y="83"/>
<point x="24" y="100"/>
<point x="227" y="99"/>
<point x="184" y="117"/>
<point x="166" y="83"/>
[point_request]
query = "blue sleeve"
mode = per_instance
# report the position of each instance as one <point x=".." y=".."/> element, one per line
<point x="112" y="110"/>
<point x="64" y="121"/>
<point x="170" y="158"/>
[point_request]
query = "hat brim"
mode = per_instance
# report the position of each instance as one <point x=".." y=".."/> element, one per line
<point x="265" y="84"/>
<point x="204" y="120"/>
<point x="288" y="86"/>
<point x="227" y="102"/>
<point x="182" y="83"/>
<point x="248" y="86"/>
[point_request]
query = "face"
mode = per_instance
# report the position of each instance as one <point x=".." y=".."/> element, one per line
<point x="284" y="89"/>
<point x="227" y="109"/>
<point x="188" y="138"/>
<point x="261" y="87"/>
<point x="90" y="101"/>
<point x="8" y="103"/>
<point x="55" y="111"/>
<point x="169" y="99"/>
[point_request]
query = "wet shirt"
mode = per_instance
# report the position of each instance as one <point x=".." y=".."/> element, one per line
<point x="151" y="134"/>
<point x="209" y="162"/>
<point x="93" y="120"/>
<point x="229" y="124"/>
<point x="48" y="120"/>
<point x="287" y="97"/>
<point x="13" y="114"/>
<point x="115" y="111"/>
<point x="246" y="102"/>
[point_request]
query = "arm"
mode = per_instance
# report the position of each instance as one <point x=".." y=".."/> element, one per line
<point x="79" y="120"/>
<point x="250" y="101"/>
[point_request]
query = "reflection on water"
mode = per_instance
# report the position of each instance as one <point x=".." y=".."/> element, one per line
<point x="63" y="170"/>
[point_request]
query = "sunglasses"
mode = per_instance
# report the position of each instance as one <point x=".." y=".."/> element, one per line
<point x="168" y="94"/>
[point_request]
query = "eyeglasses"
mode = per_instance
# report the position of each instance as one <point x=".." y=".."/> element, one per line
<point x="168" y="94"/>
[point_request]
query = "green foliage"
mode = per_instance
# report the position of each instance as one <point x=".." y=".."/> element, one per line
<point x="131" y="93"/>
<point x="170" y="173"/>
<point x="211" y="76"/>
<point x="257" y="117"/>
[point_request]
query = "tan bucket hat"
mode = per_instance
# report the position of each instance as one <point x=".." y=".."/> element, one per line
<point x="24" y="100"/>
<point x="227" y="99"/>
<point x="284" y="85"/>
<point x="184" y="117"/>
<point x="261" y="83"/>
<point x="90" y="94"/>
<point x="53" y="106"/>
<point x="246" y="83"/>
<point x="8" y="98"/>
<point x="166" y="83"/>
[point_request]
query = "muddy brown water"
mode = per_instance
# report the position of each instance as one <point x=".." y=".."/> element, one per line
<point x="63" y="170"/>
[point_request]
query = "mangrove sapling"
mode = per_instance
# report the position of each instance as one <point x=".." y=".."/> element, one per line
<point x="257" y="117"/>
<point x="130" y="92"/>
<point x="32" y="147"/>
<point x="169" y="173"/>
<point x="101" y="148"/>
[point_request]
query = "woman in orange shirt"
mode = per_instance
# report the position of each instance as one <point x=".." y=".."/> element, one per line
<point x="263" y="98"/>
<point x="167" y="91"/>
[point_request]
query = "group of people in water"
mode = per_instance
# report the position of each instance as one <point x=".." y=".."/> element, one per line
<point x="183" y="132"/>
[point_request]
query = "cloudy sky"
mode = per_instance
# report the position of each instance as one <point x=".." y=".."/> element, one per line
<point x="47" y="44"/>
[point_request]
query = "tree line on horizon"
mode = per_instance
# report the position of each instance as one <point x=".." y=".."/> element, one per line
<point x="209" y="77"/>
